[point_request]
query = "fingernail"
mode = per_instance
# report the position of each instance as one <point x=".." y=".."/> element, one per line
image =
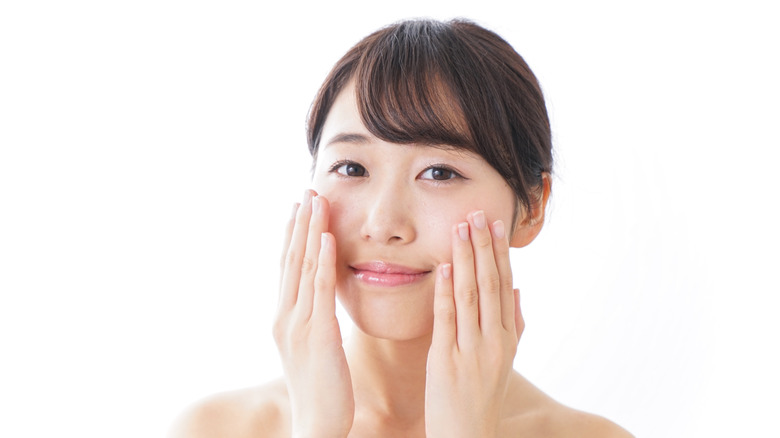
<point x="324" y="242"/>
<point x="316" y="203"/>
<point x="479" y="219"/>
<point x="463" y="231"/>
<point x="295" y="208"/>
<point x="446" y="270"/>
<point x="306" y="197"/>
<point x="498" y="229"/>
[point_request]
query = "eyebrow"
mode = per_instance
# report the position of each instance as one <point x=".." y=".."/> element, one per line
<point x="349" y="137"/>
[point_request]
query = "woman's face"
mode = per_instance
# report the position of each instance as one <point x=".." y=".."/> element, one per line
<point x="392" y="211"/>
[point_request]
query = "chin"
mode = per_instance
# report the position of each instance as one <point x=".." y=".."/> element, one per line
<point x="391" y="316"/>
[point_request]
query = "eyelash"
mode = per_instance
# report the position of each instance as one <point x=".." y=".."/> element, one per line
<point x="443" y="167"/>
<point x="339" y="164"/>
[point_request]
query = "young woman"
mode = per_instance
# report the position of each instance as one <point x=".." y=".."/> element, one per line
<point x="432" y="157"/>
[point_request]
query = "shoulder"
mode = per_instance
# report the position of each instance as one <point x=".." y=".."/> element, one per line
<point x="261" y="411"/>
<point x="565" y="422"/>
<point x="535" y="414"/>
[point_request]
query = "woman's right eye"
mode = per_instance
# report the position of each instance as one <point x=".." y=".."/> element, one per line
<point x="349" y="168"/>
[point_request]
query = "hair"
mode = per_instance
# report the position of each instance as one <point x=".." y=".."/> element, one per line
<point x="447" y="84"/>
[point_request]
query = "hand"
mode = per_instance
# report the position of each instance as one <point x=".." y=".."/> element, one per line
<point x="306" y="329"/>
<point x="477" y="325"/>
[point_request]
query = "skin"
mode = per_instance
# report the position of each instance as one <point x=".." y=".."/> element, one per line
<point x="430" y="358"/>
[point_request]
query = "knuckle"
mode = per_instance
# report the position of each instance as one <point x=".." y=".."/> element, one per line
<point x="445" y="312"/>
<point x="308" y="265"/>
<point x="506" y="283"/>
<point x="484" y="242"/>
<point x="493" y="283"/>
<point x="291" y="258"/>
<point x="469" y="296"/>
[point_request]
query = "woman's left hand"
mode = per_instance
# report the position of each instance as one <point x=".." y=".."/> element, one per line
<point x="477" y="325"/>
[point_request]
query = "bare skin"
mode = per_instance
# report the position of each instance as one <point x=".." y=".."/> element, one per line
<point x="414" y="241"/>
<point x="263" y="411"/>
<point x="390" y="387"/>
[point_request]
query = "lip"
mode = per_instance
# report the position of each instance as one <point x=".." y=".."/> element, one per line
<point x="378" y="273"/>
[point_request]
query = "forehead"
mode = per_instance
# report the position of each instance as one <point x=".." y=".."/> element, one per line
<point x="344" y="125"/>
<point x="343" y="117"/>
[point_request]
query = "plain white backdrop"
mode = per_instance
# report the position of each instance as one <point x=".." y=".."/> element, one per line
<point x="150" y="153"/>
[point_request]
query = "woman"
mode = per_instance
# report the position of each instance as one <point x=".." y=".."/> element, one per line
<point x="432" y="156"/>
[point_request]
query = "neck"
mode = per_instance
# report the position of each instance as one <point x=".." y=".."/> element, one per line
<point x="388" y="376"/>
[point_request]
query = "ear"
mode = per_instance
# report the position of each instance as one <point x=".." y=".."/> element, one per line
<point x="529" y="225"/>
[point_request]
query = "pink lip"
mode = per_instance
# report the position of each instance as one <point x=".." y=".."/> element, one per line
<point x="387" y="274"/>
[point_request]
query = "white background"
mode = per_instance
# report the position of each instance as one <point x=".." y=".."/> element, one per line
<point x="150" y="152"/>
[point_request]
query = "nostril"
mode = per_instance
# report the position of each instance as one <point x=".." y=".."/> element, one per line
<point x="388" y="220"/>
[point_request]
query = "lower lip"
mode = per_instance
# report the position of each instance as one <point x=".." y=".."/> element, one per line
<point x="387" y="280"/>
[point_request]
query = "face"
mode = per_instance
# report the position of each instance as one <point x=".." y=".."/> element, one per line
<point x="392" y="211"/>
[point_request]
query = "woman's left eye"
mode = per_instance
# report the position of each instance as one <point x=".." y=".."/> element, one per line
<point x="439" y="173"/>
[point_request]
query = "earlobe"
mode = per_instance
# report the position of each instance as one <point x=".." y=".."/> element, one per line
<point x="528" y="226"/>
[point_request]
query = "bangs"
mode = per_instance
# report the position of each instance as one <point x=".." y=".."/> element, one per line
<point x="453" y="85"/>
<point x="404" y="89"/>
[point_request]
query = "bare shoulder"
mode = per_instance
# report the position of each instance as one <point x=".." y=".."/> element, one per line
<point x="566" y="422"/>
<point x="535" y="414"/>
<point x="261" y="412"/>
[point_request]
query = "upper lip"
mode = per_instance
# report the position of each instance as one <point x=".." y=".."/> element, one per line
<point x="387" y="268"/>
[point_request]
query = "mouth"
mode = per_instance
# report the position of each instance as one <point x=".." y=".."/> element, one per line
<point x="384" y="274"/>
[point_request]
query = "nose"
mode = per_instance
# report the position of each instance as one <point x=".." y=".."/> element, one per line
<point x="389" y="217"/>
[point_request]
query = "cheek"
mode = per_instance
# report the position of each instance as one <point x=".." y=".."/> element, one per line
<point x="435" y="221"/>
<point x="443" y="214"/>
<point x="433" y="216"/>
<point x="342" y="217"/>
<point x="446" y="212"/>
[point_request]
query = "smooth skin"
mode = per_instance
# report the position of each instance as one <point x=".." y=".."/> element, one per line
<point x="429" y="359"/>
<point x="477" y="324"/>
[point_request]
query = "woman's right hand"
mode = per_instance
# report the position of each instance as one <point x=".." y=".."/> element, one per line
<point x="306" y="331"/>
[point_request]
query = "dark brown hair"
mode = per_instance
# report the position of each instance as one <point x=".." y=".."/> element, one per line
<point x="447" y="84"/>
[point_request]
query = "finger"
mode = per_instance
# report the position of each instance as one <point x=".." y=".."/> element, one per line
<point x="465" y="284"/>
<point x="317" y="226"/>
<point x="519" y="321"/>
<point x="444" y="318"/>
<point x="286" y="243"/>
<point x="501" y="255"/>
<point x="488" y="283"/>
<point x="325" y="278"/>
<point x="291" y="273"/>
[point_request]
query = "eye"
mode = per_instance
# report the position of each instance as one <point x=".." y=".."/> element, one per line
<point x="348" y="168"/>
<point x="439" y="173"/>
